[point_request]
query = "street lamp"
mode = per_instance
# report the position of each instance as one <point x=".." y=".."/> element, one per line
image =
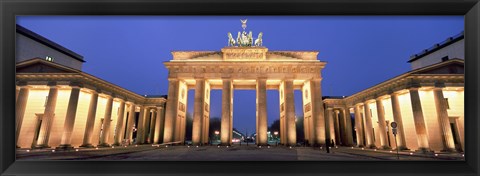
<point x="276" y="138"/>
<point x="216" y="134"/>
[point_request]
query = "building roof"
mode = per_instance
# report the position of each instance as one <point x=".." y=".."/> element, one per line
<point x="34" y="36"/>
<point x="424" y="70"/>
<point x="65" y="70"/>
<point x="437" y="46"/>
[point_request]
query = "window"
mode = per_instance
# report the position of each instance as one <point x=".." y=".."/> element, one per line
<point x="48" y="58"/>
<point x="444" y="58"/>
<point x="446" y="102"/>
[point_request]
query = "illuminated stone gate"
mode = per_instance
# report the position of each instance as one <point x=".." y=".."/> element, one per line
<point x="244" y="68"/>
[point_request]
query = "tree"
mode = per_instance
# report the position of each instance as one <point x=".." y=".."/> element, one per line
<point x="215" y="123"/>
<point x="275" y="126"/>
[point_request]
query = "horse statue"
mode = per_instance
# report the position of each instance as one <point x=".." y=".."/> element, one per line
<point x="258" y="41"/>
<point x="250" y="39"/>
<point x="239" y="39"/>
<point x="231" y="41"/>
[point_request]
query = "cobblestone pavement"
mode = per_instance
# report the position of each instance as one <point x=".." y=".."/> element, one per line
<point x="232" y="153"/>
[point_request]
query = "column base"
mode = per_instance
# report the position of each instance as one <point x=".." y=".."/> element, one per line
<point x="448" y="150"/>
<point x="103" y="145"/>
<point x="64" y="147"/>
<point x="41" y="146"/>
<point x="402" y="148"/>
<point x="371" y="146"/>
<point x="424" y="151"/>
<point x="87" y="146"/>
<point x="386" y="148"/>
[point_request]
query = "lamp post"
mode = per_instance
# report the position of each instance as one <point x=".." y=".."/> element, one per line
<point x="276" y="138"/>
<point x="216" y="134"/>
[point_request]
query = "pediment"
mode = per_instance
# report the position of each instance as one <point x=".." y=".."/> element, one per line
<point x="41" y="66"/>
<point x="448" y="67"/>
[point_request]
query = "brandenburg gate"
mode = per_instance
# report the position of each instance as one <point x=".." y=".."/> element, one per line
<point x="244" y="64"/>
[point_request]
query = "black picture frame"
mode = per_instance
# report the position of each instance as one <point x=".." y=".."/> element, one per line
<point x="10" y="9"/>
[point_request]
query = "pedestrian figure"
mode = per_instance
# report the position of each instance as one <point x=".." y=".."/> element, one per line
<point x="332" y="143"/>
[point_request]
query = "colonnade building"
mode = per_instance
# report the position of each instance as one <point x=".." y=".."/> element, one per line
<point x="427" y="103"/>
<point x="59" y="106"/>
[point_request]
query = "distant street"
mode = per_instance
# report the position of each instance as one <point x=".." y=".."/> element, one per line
<point x="232" y="153"/>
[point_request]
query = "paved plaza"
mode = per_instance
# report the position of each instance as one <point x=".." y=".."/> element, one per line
<point x="232" y="153"/>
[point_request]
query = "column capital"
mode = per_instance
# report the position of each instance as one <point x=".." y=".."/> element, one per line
<point x="199" y="78"/>
<point x="119" y="99"/>
<point x="439" y="85"/>
<point x="75" y="84"/>
<point x="226" y="78"/>
<point x="52" y="84"/>
<point x="366" y="101"/>
<point x="316" y="79"/>
<point x="262" y="78"/>
<point x="107" y="96"/>
<point x="22" y="83"/>
<point x="380" y="98"/>
<point x="413" y="85"/>
<point x="173" y="79"/>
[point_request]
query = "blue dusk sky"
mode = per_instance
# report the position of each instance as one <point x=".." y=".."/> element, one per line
<point x="360" y="51"/>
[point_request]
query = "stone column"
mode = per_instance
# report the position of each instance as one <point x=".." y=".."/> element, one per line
<point x="171" y="110"/>
<point x="130" y="122"/>
<point x="152" y="126"/>
<point x="120" y="128"/>
<point x="206" y="128"/>
<point x="146" y="121"/>
<point x="358" y="126"/>
<point x="227" y="94"/>
<point x="20" y="109"/>
<point x="262" y="138"/>
<point x="443" y="120"/>
<point x="159" y="123"/>
<point x="17" y="90"/>
<point x="397" y="117"/>
<point x="65" y="143"/>
<point x="317" y="112"/>
<point x="141" y="125"/>
<point x="106" y="122"/>
<point x="48" y="117"/>
<point x="328" y="118"/>
<point x="336" y="125"/>
<point x="289" y="113"/>
<point x="368" y="125"/>
<point x="382" y="124"/>
<point x="419" y="120"/>
<point x="198" y="111"/>
<point x="348" y="127"/>
<point x="92" y="110"/>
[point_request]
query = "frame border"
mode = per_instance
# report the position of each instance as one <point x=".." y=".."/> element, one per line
<point x="10" y="9"/>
